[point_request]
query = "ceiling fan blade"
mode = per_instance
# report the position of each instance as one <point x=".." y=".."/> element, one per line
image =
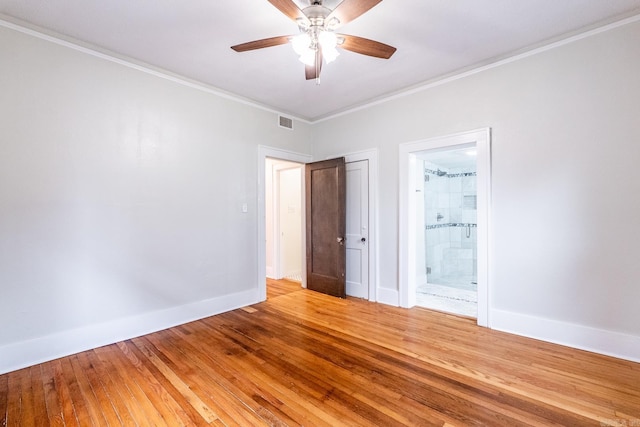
<point x="349" y="10"/>
<point x="366" y="47"/>
<point x="289" y="8"/>
<point x="313" y="71"/>
<point x="259" y="44"/>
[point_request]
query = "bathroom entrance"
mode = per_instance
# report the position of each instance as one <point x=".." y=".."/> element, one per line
<point x="446" y="215"/>
<point x="444" y="227"/>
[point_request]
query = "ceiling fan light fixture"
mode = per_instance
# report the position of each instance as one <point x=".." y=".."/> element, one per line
<point x="303" y="23"/>
<point x="332" y="24"/>
<point x="308" y="57"/>
<point x="328" y="41"/>
<point x="301" y="43"/>
<point x="317" y="39"/>
<point x="330" y="55"/>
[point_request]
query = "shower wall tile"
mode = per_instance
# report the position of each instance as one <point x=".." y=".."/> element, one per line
<point x="455" y="184"/>
<point x="469" y="184"/>
<point x="442" y="185"/>
<point x="449" y="252"/>
<point x="443" y="200"/>
<point x="465" y="254"/>
<point x="469" y="216"/>
<point x="455" y="200"/>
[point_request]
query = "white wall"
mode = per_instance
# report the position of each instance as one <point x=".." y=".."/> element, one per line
<point x="120" y="200"/>
<point x="565" y="177"/>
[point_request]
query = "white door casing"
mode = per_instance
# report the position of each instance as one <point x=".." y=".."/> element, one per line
<point x="357" y="235"/>
<point x="371" y="156"/>
<point x="265" y="152"/>
<point x="407" y="212"/>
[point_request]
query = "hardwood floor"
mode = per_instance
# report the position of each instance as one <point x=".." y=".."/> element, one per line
<point x="276" y="288"/>
<point x="303" y="358"/>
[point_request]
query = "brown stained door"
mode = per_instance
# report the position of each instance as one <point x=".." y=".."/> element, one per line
<point x="325" y="203"/>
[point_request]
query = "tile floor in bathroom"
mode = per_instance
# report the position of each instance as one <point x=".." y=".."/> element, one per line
<point x="450" y="295"/>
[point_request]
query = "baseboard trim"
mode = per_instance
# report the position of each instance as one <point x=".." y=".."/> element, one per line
<point x="609" y="343"/>
<point x="388" y="296"/>
<point x="38" y="350"/>
<point x="270" y="273"/>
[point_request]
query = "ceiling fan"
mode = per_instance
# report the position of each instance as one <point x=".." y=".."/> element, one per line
<point x="317" y="39"/>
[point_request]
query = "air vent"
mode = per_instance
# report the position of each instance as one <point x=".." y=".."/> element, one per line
<point x="285" y="122"/>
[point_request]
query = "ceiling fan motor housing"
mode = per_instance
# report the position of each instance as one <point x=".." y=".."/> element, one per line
<point x="317" y="18"/>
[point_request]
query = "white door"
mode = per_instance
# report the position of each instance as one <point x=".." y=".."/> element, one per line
<point x="357" y="236"/>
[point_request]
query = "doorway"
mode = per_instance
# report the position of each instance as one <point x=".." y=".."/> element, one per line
<point x="446" y="224"/>
<point x="366" y="280"/>
<point x="283" y="219"/>
<point x="413" y="257"/>
<point x="265" y="153"/>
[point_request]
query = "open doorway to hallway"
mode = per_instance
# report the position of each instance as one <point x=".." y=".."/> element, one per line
<point x="284" y="220"/>
<point x="266" y="154"/>
<point x="361" y="184"/>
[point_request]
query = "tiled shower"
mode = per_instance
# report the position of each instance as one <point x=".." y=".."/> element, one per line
<point x="446" y="220"/>
<point x="450" y="225"/>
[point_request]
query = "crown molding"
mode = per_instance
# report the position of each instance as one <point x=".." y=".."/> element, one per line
<point x="89" y="49"/>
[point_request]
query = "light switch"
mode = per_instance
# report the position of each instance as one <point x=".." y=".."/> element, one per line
<point x="245" y="208"/>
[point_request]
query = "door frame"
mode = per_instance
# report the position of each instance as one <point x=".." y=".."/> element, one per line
<point x="265" y="152"/>
<point x="407" y="223"/>
<point x="372" y="157"/>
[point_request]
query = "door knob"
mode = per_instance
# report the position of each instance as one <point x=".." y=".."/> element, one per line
<point x="340" y="240"/>
<point x="364" y="239"/>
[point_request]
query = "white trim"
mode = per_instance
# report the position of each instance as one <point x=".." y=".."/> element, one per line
<point x="265" y="152"/>
<point x="38" y="350"/>
<point x="615" y="344"/>
<point x="77" y="45"/>
<point x="438" y="81"/>
<point x="388" y="296"/>
<point x="406" y="217"/>
<point x="270" y="272"/>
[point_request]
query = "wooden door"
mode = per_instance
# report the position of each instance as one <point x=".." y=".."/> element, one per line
<point x="357" y="234"/>
<point x="325" y="203"/>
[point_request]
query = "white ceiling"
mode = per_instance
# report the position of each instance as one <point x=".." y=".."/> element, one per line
<point x="434" y="38"/>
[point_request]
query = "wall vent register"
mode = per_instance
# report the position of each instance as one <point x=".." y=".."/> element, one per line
<point x="285" y="122"/>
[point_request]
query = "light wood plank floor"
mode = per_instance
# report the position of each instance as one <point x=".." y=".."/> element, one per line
<point x="302" y="358"/>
